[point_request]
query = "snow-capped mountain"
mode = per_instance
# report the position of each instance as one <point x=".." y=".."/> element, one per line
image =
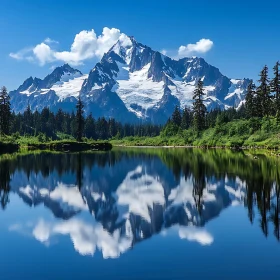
<point x="59" y="89"/>
<point x="131" y="82"/>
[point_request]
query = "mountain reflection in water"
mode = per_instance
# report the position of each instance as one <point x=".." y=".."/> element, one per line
<point x="112" y="201"/>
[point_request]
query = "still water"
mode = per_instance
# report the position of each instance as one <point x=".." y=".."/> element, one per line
<point x="140" y="214"/>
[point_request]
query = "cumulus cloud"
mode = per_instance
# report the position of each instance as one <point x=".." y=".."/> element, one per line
<point x="42" y="231"/>
<point x="200" y="47"/>
<point x="199" y="235"/>
<point x="86" y="237"/>
<point x="43" y="53"/>
<point x="86" y="45"/>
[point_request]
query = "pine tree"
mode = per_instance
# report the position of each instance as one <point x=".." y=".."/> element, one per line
<point x="59" y="118"/>
<point x="5" y="111"/>
<point x="28" y="121"/>
<point x="263" y="99"/>
<point x="80" y="121"/>
<point x="36" y="119"/>
<point x="176" y="116"/>
<point x="186" y="118"/>
<point x="275" y="88"/>
<point x="199" y="109"/>
<point x="250" y="105"/>
<point x="90" y="127"/>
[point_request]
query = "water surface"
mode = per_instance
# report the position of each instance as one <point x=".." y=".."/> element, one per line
<point x="140" y="214"/>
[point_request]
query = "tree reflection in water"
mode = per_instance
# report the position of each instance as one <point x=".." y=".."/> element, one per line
<point x="203" y="168"/>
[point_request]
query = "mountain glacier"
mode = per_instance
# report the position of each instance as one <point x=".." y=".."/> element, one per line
<point x="131" y="83"/>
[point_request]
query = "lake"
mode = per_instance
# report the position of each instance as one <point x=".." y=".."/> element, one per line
<point x="140" y="214"/>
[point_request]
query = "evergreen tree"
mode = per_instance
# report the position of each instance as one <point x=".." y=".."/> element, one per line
<point x="73" y="124"/>
<point x="250" y="100"/>
<point x="28" y="121"/>
<point x="59" y="120"/>
<point x="5" y="111"/>
<point x="263" y="98"/>
<point x="113" y="128"/>
<point x="199" y="109"/>
<point x="36" y="120"/>
<point x="186" y="118"/>
<point x="80" y="121"/>
<point x="176" y="116"/>
<point x="90" y="127"/>
<point x="275" y="88"/>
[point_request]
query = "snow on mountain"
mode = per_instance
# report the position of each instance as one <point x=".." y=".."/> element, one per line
<point x="236" y="94"/>
<point x="144" y="79"/>
<point x="131" y="82"/>
<point x="69" y="85"/>
<point x="61" y="86"/>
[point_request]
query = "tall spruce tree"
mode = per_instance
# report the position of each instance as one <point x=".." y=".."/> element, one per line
<point x="199" y="109"/>
<point x="186" y="118"/>
<point x="28" y="121"/>
<point x="250" y="101"/>
<point x="275" y="88"/>
<point x="263" y="98"/>
<point x="176" y="116"/>
<point x="80" y="121"/>
<point x="90" y="127"/>
<point x="5" y="111"/>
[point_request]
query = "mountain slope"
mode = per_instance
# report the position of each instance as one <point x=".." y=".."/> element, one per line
<point x="131" y="82"/>
<point x="151" y="84"/>
<point x="58" y="89"/>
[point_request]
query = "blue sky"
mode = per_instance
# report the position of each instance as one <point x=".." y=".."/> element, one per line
<point x="243" y="35"/>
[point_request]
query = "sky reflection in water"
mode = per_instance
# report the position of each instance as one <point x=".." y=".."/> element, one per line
<point x="167" y="205"/>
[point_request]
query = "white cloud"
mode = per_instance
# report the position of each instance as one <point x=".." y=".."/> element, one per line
<point x="86" y="45"/>
<point x="164" y="52"/>
<point x="202" y="46"/>
<point x="22" y="54"/>
<point x="86" y="237"/>
<point x="43" y="53"/>
<point x="199" y="235"/>
<point x="50" y="41"/>
<point x="42" y="231"/>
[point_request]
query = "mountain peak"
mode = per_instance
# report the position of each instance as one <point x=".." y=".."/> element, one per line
<point x="61" y="73"/>
<point x="66" y="68"/>
<point x="132" y="81"/>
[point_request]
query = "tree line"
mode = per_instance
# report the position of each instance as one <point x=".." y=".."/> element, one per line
<point x="264" y="100"/>
<point x="260" y="101"/>
<point x="47" y="124"/>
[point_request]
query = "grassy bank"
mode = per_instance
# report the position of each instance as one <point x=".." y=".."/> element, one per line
<point x="70" y="146"/>
<point x="264" y="133"/>
<point x="242" y="133"/>
<point x="8" y="144"/>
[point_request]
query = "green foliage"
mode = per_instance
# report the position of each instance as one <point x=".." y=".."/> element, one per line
<point x="264" y="99"/>
<point x="170" y="129"/>
<point x="199" y="109"/>
<point x="275" y="88"/>
<point x="255" y="132"/>
<point x="80" y="121"/>
<point x="5" y="111"/>
<point x="176" y="116"/>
